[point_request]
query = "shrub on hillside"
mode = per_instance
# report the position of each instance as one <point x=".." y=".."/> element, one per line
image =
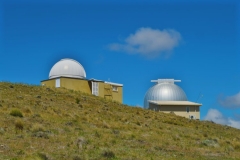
<point x="16" y="113"/>
<point x="77" y="100"/>
<point x="43" y="156"/>
<point x="19" y="125"/>
<point x="108" y="154"/>
<point x="77" y="158"/>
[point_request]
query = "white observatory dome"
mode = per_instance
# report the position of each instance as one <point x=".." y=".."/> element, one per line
<point x="67" y="68"/>
<point x="164" y="90"/>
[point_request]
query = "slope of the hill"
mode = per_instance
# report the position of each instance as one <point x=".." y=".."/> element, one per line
<point x="53" y="124"/>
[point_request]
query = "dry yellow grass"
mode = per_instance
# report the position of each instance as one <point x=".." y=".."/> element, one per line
<point x="65" y="124"/>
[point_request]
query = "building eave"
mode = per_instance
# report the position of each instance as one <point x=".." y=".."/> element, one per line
<point x="175" y="103"/>
<point x="92" y="79"/>
<point x="114" y="84"/>
<point x="64" y="77"/>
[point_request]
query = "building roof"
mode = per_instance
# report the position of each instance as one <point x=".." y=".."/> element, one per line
<point x="164" y="90"/>
<point x="111" y="83"/>
<point x="95" y="80"/>
<point x="67" y="68"/>
<point x="114" y="84"/>
<point x="175" y="103"/>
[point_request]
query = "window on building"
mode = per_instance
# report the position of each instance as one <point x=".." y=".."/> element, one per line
<point x="114" y="88"/>
<point x="187" y="109"/>
<point x="95" y="88"/>
<point x="57" y="84"/>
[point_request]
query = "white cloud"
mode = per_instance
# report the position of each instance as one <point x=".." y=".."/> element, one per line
<point x="149" y="42"/>
<point x="230" y="101"/>
<point x="217" y="117"/>
<point x="233" y="123"/>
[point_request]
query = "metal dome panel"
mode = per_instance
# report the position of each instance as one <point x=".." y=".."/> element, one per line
<point x="164" y="91"/>
<point x="67" y="68"/>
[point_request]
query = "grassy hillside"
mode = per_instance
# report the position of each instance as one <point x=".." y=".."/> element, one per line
<point x="52" y="124"/>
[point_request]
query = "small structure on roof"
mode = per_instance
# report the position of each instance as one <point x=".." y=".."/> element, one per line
<point x="70" y="74"/>
<point x="167" y="97"/>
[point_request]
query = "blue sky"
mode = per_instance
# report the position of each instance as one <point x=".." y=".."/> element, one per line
<point x="130" y="43"/>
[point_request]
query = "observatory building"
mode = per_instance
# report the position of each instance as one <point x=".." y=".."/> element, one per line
<point x="70" y="74"/>
<point x="167" y="97"/>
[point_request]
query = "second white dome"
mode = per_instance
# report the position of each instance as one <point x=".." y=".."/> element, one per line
<point x="165" y="90"/>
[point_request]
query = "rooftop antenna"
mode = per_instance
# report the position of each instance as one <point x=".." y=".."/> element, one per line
<point x="199" y="96"/>
<point x="165" y="80"/>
